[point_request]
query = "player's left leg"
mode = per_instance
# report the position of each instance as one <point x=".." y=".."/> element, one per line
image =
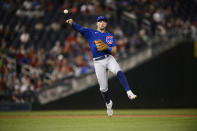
<point x="101" y="73"/>
<point x="124" y="83"/>
<point x="114" y="67"/>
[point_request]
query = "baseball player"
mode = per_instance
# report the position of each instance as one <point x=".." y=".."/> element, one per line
<point x="103" y="47"/>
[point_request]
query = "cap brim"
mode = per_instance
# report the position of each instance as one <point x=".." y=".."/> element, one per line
<point x="102" y="20"/>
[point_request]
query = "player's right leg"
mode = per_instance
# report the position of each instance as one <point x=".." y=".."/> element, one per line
<point x="114" y="67"/>
<point x="102" y="78"/>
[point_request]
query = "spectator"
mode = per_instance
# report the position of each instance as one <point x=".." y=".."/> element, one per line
<point x="74" y="8"/>
<point x="143" y="36"/>
<point x="118" y="32"/>
<point x="20" y="53"/>
<point x="132" y="43"/>
<point x="109" y="3"/>
<point x="30" y="9"/>
<point x="1" y="32"/>
<point x="79" y="63"/>
<point x="36" y="4"/>
<point x="39" y="26"/>
<point x="194" y="31"/>
<point x="39" y="84"/>
<point x="27" y="4"/>
<point x="57" y="48"/>
<point x="161" y="28"/>
<point x="71" y="37"/>
<point x="62" y="69"/>
<point x="24" y="37"/>
<point x="3" y="85"/>
<point x="87" y="8"/>
<point x="66" y="5"/>
<point x="8" y="35"/>
<point x="158" y="16"/>
<point x="3" y="45"/>
<point x="26" y="84"/>
<point x="33" y="62"/>
<point x="19" y="28"/>
<point x="65" y="68"/>
<point x="28" y="95"/>
<point x="49" y="6"/>
<point x="17" y="95"/>
<point x="55" y="26"/>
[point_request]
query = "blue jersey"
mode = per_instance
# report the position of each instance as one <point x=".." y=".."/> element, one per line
<point x="92" y="35"/>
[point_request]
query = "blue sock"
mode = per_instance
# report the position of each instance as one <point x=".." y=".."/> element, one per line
<point x="123" y="80"/>
<point x="106" y="96"/>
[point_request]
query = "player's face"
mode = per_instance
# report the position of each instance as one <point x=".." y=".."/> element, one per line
<point x="101" y="25"/>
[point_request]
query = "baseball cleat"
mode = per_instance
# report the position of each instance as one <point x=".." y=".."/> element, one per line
<point x="131" y="95"/>
<point x="109" y="109"/>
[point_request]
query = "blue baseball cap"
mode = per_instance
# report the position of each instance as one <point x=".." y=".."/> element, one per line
<point x="104" y="18"/>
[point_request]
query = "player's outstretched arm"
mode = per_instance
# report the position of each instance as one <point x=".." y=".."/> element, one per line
<point x="75" y="25"/>
<point x="79" y="28"/>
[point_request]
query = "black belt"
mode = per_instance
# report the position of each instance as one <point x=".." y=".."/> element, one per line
<point x="100" y="58"/>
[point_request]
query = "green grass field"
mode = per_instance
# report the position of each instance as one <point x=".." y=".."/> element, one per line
<point x="95" y="120"/>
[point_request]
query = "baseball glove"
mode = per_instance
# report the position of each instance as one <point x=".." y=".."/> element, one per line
<point x="101" y="46"/>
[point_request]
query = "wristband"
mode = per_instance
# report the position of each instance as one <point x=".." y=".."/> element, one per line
<point x="109" y="49"/>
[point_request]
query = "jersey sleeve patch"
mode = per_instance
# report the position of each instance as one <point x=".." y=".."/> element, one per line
<point x="109" y="39"/>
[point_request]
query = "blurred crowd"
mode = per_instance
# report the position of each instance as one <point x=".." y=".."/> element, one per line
<point x="37" y="47"/>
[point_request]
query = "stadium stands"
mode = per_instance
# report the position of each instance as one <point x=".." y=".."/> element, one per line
<point x="37" y="47"/>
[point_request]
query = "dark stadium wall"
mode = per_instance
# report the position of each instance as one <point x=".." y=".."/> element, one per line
<point x="166" y="81"/>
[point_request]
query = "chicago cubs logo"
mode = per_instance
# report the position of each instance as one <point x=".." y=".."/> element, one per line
<point x="109" y="39"/>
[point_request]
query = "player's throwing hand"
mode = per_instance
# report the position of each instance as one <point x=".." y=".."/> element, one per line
<point x="69" y="21"/>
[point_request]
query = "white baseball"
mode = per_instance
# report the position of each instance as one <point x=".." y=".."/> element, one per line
<point x="65" y="11"/>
